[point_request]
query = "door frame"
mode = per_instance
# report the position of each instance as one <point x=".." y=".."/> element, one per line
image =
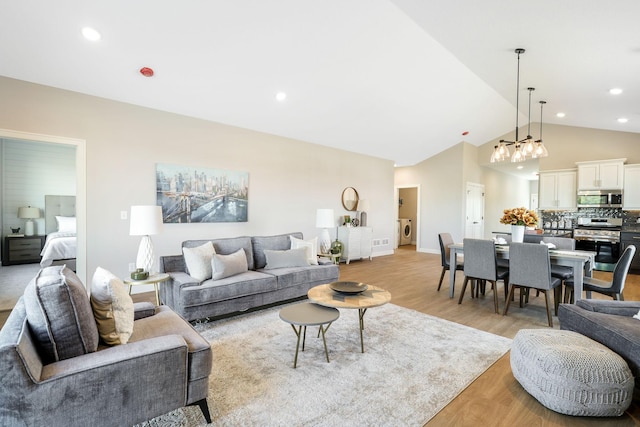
<point x="81" y="187"/>
<point x="415" y="227"/>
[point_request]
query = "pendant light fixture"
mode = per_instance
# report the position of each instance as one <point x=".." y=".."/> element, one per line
<point x="526" y="147"/>
<point x="540" y="150"/>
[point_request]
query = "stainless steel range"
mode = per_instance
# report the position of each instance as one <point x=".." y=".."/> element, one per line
<point x="600" y="235"/>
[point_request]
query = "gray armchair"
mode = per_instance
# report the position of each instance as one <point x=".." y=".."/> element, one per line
<point x="164" y="366"/>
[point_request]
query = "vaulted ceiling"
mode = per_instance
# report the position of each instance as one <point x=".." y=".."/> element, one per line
<point x="396" y="79"/>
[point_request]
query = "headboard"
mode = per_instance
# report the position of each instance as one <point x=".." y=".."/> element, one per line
<point x="57" y="206"/>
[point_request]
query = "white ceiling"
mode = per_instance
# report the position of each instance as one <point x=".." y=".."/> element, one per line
<point x="396" y="79"/>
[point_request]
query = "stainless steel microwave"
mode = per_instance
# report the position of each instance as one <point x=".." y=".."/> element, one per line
<point x="600" y="199"/>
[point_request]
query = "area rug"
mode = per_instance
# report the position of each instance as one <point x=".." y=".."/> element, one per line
<point x="413" y="365"/>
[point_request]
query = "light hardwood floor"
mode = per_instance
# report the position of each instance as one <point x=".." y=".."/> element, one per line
<point x="495" y="398"/>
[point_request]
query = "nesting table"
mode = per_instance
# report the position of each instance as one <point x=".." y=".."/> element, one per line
<point x="307" y="314"/>
<point x="153" y="279"/>
<point x="372" y="297"/>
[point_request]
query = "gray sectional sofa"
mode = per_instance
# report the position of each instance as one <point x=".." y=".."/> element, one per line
<point x="257" y="286"/>
<point x="610" y="323"/>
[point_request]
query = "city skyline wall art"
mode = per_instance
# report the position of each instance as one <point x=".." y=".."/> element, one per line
<point x="195" y="194"/>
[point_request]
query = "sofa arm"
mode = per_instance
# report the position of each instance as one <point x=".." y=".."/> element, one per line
<point x="181" y="280"/>
<point x="618" y="308"/>
<point x="172" y="263"/>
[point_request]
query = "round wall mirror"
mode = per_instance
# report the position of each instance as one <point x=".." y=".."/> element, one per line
<point x="350" y="199"/>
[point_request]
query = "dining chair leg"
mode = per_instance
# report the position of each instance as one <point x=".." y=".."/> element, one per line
<point x="494" y="286"/>
<point x="464" y="288"/>
<point x="546" y="300"/>
<point x="509" y="298"/>
<point x="557" y="296"/>
<point x="444" y="269"/>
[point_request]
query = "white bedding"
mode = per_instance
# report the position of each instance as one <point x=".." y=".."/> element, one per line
<point x="58" y="246"/>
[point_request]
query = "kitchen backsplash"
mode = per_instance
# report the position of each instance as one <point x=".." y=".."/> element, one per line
<point x="569" y="219"/>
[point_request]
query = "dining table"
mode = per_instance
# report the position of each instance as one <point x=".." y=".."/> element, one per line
<point x="581" y="262"/>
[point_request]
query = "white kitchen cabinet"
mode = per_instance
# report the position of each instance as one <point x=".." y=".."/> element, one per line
<point x="557" y="190"/>
<point x="357" y="242"/>
<point x="631" y="195"/>
<point x="601" y="175"/>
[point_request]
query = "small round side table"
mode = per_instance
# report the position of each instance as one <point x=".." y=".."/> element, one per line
<point x="153" y="279"/>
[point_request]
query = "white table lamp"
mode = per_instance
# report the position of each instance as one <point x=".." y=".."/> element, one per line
<point x="29" y="214"/>
<point x="363" y="207"/>
<point x="325" y="220"/>
<point x="145" y="221"/>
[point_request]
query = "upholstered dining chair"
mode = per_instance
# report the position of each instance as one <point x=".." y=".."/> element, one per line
<point x="446" y="240"/>
<point x="530" y="267"/>
<point x="480" y="265"/>
<point x="562" y="272"/>
<point x="611" y="288"/>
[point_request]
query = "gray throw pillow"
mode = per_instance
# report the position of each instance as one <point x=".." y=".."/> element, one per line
<point x="229" y="265"/>
<point x="59" y="314"/>
<point x="289" y="258"/>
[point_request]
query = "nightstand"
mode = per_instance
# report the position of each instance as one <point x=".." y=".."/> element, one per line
<point x="22" y="250"/>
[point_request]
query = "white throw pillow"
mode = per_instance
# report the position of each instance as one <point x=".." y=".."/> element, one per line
<point x="198" y="261"/>
<point x="229" y="265"/>
<point x="66" y="224"/>
<point x="112" y="307"/>
<point x="310" y="245"/>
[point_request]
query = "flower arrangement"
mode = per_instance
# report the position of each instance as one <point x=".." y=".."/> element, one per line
<point x="519" y="216"/>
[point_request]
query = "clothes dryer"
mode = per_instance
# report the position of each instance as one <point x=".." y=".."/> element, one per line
<point x="405" y="231"/>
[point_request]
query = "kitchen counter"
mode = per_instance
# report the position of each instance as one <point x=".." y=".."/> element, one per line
<point x="631" y="228"/>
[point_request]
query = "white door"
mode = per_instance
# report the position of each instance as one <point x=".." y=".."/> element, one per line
<point x="474" y="225"/>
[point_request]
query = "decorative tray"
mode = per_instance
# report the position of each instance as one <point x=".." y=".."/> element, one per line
<point x="348" y="287"/>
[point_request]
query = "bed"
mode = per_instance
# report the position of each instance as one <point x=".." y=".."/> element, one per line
<point x="60" y="225"/>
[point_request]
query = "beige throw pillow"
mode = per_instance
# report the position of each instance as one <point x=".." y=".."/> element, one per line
<point x="229" y="265"/>
<point x="198" y="261"/>
<point x="112" y="307"/>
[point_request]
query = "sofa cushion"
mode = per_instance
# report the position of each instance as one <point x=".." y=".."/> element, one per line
<point x="112" y="307"/>
<point x="240" y="285"/>
<point x="60" y="315"/>
<point x="309" y="275"/>
<point x="279" y="242"/>
<point x="198" y="260"/>
<point x="286" y="259"/>
<point x="228" y="265"/>
<point x="310" y="245"/>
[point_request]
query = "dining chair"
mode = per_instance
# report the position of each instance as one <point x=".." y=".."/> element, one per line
<point x="480" y="266"/>
<point x="562" y="272"/>
<point x="530" y="267"/>
<point x="446" y="240"/>
<point x="611" y="288"/>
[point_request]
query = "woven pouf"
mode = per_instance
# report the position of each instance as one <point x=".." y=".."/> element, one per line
<point x="570" y="373"/>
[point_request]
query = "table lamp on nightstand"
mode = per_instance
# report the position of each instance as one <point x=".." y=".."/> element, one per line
<point x="29" y="214"/>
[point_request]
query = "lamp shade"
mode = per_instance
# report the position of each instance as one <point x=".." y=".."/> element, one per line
<point x="28" y="213"/>
<point x="364" y="205"/>
<point x="325" y="219"/>
<point x="145" y="220"/>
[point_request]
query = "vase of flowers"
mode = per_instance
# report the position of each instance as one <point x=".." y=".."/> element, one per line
<point x="519" y="218"/>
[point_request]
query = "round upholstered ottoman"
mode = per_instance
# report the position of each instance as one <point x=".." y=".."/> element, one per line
<point x="570" y="373"/>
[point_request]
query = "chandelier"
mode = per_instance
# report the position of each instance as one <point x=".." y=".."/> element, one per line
<point x="527" y="147"/>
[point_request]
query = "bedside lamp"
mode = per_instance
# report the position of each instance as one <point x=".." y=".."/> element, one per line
<point x="145" y="221"/>
<point x="325" y="220"/>
<point x="363" y="207"/>
<point x="29" y="214"/>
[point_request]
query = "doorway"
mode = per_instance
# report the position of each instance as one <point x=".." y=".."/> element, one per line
<point x="79" y="146"/>
<point x="408" y="217"/>
<point x="474" y="215"/>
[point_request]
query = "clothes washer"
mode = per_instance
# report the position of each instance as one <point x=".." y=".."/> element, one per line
<point x="405" y="231"/>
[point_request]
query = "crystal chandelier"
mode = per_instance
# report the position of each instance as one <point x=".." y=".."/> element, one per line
<point x="527" y="147"/>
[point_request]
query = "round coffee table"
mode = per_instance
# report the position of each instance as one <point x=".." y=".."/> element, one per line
<point x="372" y="297"/>
<point x="153" y="279"/>
<point x="307" y="314"/>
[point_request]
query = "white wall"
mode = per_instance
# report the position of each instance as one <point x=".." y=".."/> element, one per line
<point x="30" y="170"/>
<point x="289" y="179"/>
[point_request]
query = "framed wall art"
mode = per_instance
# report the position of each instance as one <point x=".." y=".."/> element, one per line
<point x="190" y="195"/>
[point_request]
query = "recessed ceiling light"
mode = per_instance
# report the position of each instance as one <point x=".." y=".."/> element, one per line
<point x="560" y="115"/>
<point x="623" y="120"/>
<point x="91" y="34"/>
<point x="615" y="91"/>
<point x="520" y="167"/>
<point x="281" y="96"/>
